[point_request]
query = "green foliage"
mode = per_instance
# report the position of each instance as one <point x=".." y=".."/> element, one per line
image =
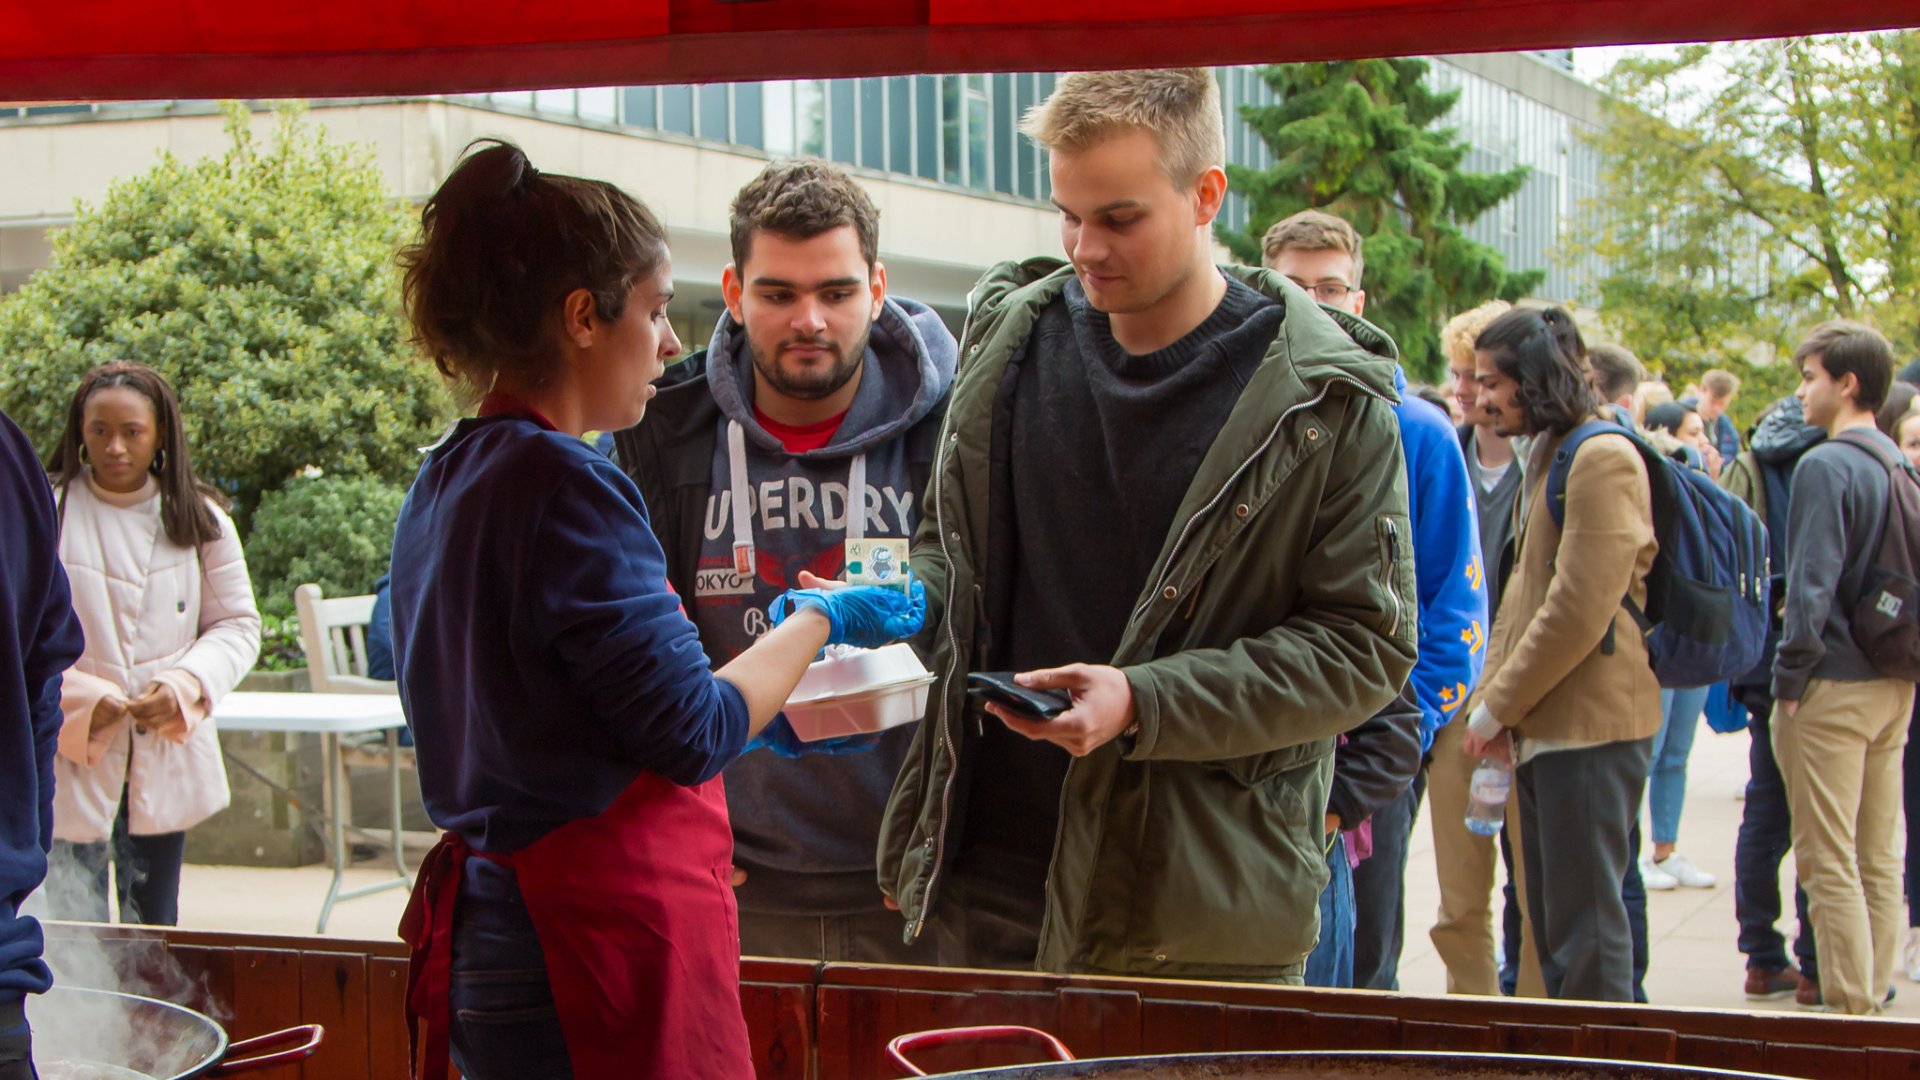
<point x="261" y="283"/>
<point x="1752" y="189"/>
<point x="333" y="531"/>
<point x="1356" y="139"/>
<point x="280" y="648"/>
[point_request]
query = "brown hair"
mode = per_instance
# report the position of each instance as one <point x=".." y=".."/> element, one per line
<point x="1846" y="348"/>
<point x="1313" y="230"/>
<point x="184" y="513"/>
<point x="803" y="198"/>
<point x="1616" y="371"/>
<point x="1720" y="383"/>
<point x="1898" y="406"/>
<point x="1457" y="338"/>
<point x="1540" y="349"/>
<point x="1179" y="107"/>
<point x="501" y="244"/>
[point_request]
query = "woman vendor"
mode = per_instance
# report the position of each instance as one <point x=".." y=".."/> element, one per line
<point x="576" y="919"/>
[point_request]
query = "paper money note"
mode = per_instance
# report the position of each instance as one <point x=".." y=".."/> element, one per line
<point x="878" y="562"/>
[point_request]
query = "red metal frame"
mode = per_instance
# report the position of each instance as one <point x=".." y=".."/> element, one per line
<point x="132" y="49"/>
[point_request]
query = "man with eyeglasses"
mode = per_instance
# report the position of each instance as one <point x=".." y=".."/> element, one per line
<point x="1322" y="254"/>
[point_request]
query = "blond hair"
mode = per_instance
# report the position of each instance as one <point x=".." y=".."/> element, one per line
<point x="1179" y="107"/>
<point x="1647" y="395"/>
<point x="1461" y="330"/>
<point x="1313" y="230"/>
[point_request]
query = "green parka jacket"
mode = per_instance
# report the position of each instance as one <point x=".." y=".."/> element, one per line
<point x="1280" y="613"/>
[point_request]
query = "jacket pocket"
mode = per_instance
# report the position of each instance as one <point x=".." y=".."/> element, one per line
<point x="1234" y="866"/>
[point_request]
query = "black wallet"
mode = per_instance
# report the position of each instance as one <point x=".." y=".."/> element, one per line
<point x="999" y="688"/>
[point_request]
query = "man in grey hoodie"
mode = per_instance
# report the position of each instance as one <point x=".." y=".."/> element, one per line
<point x="1839" y="725"/>
<point x="811" y="419"/>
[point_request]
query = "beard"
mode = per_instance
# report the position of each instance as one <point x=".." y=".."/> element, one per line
<point x="813" y="382"/>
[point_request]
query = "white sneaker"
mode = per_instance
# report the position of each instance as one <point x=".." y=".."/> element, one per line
<point x="1912" y="957"/>
<point x="1655" y="877"/>
<point x="1683" y="871"/>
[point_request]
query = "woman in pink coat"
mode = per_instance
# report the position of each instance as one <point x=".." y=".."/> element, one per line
<point x="161" y="588"/>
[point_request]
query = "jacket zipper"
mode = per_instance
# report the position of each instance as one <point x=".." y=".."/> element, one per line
<point x="939" y="838"/>
<point x="1389" y="557"/>
<point x="1186" y="530"/>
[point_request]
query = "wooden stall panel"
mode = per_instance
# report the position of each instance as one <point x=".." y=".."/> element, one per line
<point x="386" y="1018"/>
<point x="1549" y="1040"/>
<point x="1348" y="1031"/>
<point x="1715" y="1052"/>
<point x="1453" y="1038"/>
<point x="1100" y="1023"/>
<point x="266" y="999"/>
<point x="1801" y="1059"/>
<point x="333" y="994"/>
<point x="1630" y="1043"/>
<point x="853" y="1026"/>
<point x="1883" y="1064"/>
<point x="1251" y="1028"/>
<point x="780" y="1025"/>
<point x="1182" y="1027"/>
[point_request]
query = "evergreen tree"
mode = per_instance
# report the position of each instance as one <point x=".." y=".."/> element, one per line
<point x="1355" y="138"/>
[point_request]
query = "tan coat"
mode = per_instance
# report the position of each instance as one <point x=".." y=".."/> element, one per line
<point x="1552" y="672"/>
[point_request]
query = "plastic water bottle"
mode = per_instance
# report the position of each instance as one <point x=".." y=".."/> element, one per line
<point x="1487" y="796"/>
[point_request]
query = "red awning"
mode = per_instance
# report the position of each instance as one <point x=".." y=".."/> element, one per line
<point x="107" y="49"/>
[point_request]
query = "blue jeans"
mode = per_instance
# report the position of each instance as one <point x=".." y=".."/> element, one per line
<point x="504" y="1023"/>
<point x="1331" y="962"/>
<point x="1680" y="720"/>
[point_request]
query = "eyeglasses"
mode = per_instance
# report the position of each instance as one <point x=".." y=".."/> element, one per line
<point x="1327" y="292"/>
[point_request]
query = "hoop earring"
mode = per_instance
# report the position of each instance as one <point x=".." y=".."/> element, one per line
<point x="159" y="461"/>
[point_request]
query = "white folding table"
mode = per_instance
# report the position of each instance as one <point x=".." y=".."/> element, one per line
<point x="330" y="716"/>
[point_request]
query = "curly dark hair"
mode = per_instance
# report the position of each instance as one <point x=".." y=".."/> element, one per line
<point x="802" y="198"/>
<point x="1540" y="349"/>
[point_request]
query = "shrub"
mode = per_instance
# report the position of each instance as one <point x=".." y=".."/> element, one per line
<point x="333" y="531"/>
<point x="261" y="282"/>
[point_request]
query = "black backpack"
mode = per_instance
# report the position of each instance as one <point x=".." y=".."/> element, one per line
<point x="1886" y="617"/>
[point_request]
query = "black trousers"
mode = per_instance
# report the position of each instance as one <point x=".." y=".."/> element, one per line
<point x="146" y="869"/>
<point x="1578" y="809"/>
<point x="1764" y="839"/>
<point x="1379" y="892"/>
<point x="16" y="1042"/>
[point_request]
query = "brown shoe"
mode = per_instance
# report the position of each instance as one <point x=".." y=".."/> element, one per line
<point x="1807" y="995"/>
<point x="1770" y="983"/>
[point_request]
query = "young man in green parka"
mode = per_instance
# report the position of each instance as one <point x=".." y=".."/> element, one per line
<point x="1174" y="491"/>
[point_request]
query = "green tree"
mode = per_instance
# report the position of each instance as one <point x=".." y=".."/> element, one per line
<point x="261" y="283"/>
<point x="1753" y="188"/>
<point x="1357" y="138"/>
<point x="333" y="531"/>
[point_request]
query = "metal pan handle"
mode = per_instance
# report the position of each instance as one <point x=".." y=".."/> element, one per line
<point x="898" y="1049"/>
<point x="300" y="1043"/>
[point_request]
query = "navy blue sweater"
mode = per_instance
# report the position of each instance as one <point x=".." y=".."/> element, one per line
<point x="39" y="639"/>
<point x="543" y="659"/>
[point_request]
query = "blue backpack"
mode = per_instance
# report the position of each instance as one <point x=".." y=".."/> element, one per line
<point x="1706" y="615"/>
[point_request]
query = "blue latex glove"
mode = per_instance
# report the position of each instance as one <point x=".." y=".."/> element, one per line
<point x="778" y="737"/>
<point x="864" y="616"/>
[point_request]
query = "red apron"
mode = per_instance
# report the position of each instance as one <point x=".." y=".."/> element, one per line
<point x="635" y="912"/>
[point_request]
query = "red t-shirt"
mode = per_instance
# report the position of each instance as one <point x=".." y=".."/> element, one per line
<point x="799" y="440"/>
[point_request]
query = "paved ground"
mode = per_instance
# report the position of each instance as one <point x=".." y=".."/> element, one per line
<point x="1694" y="961"/>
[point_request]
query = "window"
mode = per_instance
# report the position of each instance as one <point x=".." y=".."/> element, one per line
<point x="776" y="103"/>
<point x="637" y="104"/>
<point x="979" y="128"/>
<point x="843" y="124"/>
<point x="715" y="118"/>
<point x="926" y="114"/>
<point x="810" y="117"/>
<point x="554" y="101"/>
<point x="1004" y="122"/>
<point x="676" y="109"/>
<point x="873" y="123"/>
<point x="899" y="124"/>
<point x="748" y="130"/>
<point x="597" y="103"/>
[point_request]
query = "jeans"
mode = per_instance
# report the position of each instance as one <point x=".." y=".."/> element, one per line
<point x="1633" y="893"/>
<point x="868" y="937"/>
<point x="146" y="876"/>
<point x="1667" y="787"/>
<point x="1379" y="889"/>
<point x="504" y="1024"/>
<point x="1765" y="836"/>
<point x="1331" y="962"/>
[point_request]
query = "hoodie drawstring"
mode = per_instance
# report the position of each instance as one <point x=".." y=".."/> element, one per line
<point x="742" y="515"/>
